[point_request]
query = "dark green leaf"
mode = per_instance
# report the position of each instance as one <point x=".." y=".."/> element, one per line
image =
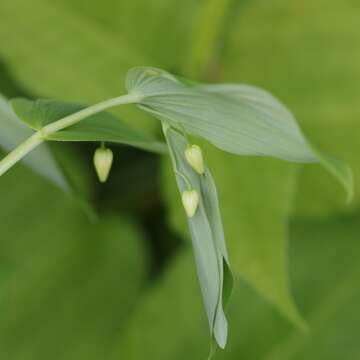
<point x="330" y="303"/>
<point x="97" y="45"/>
<point x="74" y="282"/>
<point x="99" y="127"/>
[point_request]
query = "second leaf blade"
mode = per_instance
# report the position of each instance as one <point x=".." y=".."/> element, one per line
<point x="208" y="240"/>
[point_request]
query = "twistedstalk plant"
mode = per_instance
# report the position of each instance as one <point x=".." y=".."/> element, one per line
<point x="239" y="119"/>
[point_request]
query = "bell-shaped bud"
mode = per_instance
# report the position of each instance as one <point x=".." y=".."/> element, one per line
<point x="190" y="200"/>
<point x="103" y="159"/>
<point x="194" y="157"/>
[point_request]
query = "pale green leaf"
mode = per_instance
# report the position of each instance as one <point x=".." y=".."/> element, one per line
<point x="99" y="127"/>
<point x="239" y="119"/>
<point x="258" y="199"/>
<point x="256" y="195"/>
<point x="207" y="238"/>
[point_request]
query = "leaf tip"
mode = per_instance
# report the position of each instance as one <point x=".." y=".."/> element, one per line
<point x="340" y="170"/>
<point x="349" y="185"/>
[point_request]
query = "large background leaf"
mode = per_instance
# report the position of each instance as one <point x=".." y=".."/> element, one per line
<point x="309" y="61"/>
<point x="70" y="277"/>
<point x="100" y="43"/>
<point x="306" y="54"/>
<point x="329" y="302"/>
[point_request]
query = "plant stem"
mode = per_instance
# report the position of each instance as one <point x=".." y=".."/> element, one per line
<point x="40" y="136"/>
<point x="166" y="127"/>
<point x="20" y="152"/>
<point x="91" y="110"/>
<point x="208" y="28"/>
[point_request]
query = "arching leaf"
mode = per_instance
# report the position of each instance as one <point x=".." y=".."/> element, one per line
<point x="240" y="119"/>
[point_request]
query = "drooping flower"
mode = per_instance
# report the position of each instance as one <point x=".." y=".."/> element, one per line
<point x="194" y="157"/>
<point x="103" y="159"/>
<point x="190" y="200"/>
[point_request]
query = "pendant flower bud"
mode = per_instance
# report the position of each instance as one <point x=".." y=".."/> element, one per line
<point x="190" y="200"/>
<point x="194" y="157"/>
<point x="103" y="159"/>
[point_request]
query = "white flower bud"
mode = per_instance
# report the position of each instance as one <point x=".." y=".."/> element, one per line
<point x="103" y="159"/>
<point x="194" y="157"/>
<point x="190" y="200"/>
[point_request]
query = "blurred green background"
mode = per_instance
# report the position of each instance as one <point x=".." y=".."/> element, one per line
<point x="125" y="286"/>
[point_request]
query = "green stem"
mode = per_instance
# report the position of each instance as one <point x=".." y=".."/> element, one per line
<point x="166" y="127"/>
<point x="184" y="177"/>
<point x="91" y="110"/>
<point x="40" y="136"/>
<point x="20" y="152"/>
<point x="205" y="37"/>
